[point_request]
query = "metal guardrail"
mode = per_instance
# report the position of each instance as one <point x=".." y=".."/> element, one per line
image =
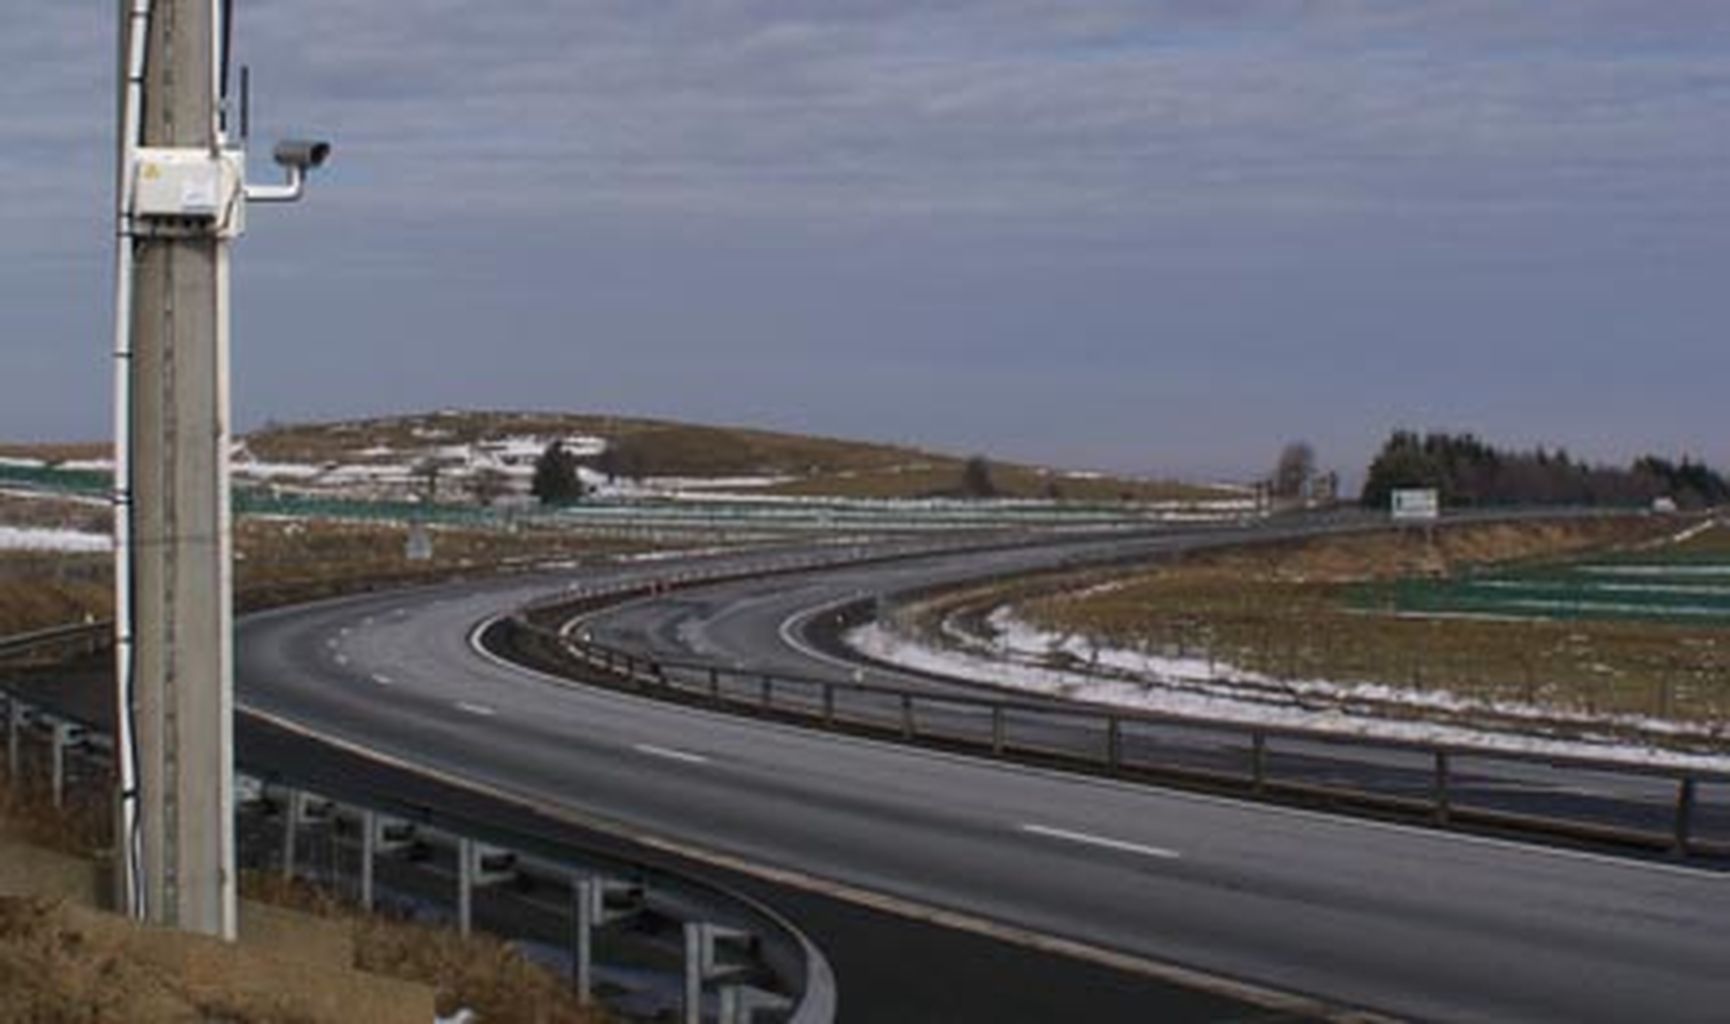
<point x="1680" y="811"/>
<point x="88" y="636"/>
<point x="641" y="938"/>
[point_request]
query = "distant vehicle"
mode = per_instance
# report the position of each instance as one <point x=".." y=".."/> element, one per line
<point x="1664" y="504"/>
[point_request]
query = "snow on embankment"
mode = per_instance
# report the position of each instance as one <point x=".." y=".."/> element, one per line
<point x="30" y="538"/>
<point x="1020" y="657"/>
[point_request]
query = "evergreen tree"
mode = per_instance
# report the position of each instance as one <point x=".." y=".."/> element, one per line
<point x="556" y="481"/>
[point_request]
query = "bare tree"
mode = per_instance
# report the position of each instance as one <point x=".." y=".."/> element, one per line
<point x="976" y="479"/>
<point x="488" y="485"/>
<point x="1297" y="463"/>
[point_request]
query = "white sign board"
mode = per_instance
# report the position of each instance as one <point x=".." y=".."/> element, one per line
<point x="1417" y="503"/>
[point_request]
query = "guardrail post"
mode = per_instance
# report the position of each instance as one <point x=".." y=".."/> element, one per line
<point x="997" y="729"/>
<point x="582" y="939"/>
<point x="768" y="698"/>
<point x="1443" y="807"/>
<point x="906" y="716"/>
<point x="368" y="847"/>
<point x="714" y="684"/>
<point x="829" y="705"/>
<point x="62" y="734"/>
<point x="1113" y="742"/>
<point x="14" y="727"/>
<point x="1685" y="791"/>
<point x="465" y="885"/>
<point x="692" y="1004"/>
<point x="290" y="822"/>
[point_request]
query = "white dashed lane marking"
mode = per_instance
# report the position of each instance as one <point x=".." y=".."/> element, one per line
<point x="1104" y="842"/>
<point x="670" y="754"/>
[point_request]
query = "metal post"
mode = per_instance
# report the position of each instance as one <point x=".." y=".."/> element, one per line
<point x="61" y="729"/>
<point x="714" y="684"/>
<point x="584" y="893"/>
<point x="368" y="850"/>
<point x="829" y="705"/>
<point x="768" y="690"/>
<point x="1114" y="742"/>
<point x="465" y="885"/>
<point x="906" y="716"/>
<point x="290" y="823"/>
<point x="14" y="732"/>
<point x="1258" y="761"/>
<point x="1443" y="808"/>
<point x="692" y="1004"/>
<point x="997" y="729"/>
<point x="176" y="430"/>
<point x="1684" y="814"/>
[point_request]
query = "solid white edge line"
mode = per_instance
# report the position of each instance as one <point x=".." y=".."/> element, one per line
<point x="789" y="629"/>
<point x="668" y="753"/>
<point x="1104" y="842"/>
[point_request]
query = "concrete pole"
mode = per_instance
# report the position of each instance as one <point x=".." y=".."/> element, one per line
<point x="182" y="699"/>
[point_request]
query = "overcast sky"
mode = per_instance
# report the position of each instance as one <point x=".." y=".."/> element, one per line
<point x="1150" y="236"/>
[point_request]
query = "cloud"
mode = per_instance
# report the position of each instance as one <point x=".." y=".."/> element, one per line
<point x="794" y="173"/>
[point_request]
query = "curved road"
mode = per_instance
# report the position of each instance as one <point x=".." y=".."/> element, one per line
<point x="1410" y="922"/>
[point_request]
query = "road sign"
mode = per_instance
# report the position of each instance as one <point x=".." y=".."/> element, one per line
<point x="1416" y="504"/>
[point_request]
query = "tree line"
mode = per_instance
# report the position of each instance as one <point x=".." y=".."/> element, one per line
<point x="1466" y="471"/>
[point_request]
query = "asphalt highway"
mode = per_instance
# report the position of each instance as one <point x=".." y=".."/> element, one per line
<point x="1405" y="921"/>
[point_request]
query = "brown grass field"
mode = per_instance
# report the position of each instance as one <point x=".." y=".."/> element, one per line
<point x="1283" y="611"/>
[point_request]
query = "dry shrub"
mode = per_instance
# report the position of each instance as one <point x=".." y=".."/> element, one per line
<point x="38" y="591"/>
<point x="480" y="972"/>
<point x="82" y="828"/>
<point x="52" y="971"/>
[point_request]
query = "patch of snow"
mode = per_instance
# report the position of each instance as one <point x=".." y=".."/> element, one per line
<point x="30" y="538"/>
<point x="13" y="460"/>
<point x="277" y="470"/>
<point x="1719" y="569"/>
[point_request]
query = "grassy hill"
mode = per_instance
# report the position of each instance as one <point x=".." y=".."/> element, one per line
<point x="782" y="463"/>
